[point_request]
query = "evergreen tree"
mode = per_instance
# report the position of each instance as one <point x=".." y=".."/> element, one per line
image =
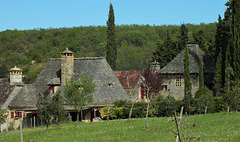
<point x="217" y="79"/>
<point x="111" y="39"/>
<point x="170" y="47"/>
<point x="58" y="111"/>
<point x="159" y="54"/>
<point x="44" y="108"/>
<point x="187" y="83"/>
<point x="164" y="52"/>
<point x="183" y="38"/>
<point x="235" y="36"/>
<point x="200" y="40"/>
<point x="201" y="75"/>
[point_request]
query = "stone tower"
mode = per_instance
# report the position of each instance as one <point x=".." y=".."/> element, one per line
<point x="66" y="66"/>
<point x="15" y="76"/>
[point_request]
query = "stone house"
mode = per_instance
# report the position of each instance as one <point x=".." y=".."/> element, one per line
<point x="172" y="74"/>
<point x="20" y="99"/>
<point x="131" y="82"/>
<point x="173" y="77"/>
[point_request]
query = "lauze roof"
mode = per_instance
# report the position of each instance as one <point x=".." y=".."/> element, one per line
<point x="128" y="79"/>
<point x="5" y="90"/>
<point x="107" y="90"/>
<point x="195" y="53"/>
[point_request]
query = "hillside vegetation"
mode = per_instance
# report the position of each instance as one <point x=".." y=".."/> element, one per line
<point x="30" y="49"/>
<point x="219" y="127"/>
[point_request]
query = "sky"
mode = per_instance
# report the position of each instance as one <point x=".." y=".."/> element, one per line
<point x="35" y="14"/>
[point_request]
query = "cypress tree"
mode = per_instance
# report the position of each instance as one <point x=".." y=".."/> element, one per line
<point x="187" y="83"/>
<point x="201" y="76"/>
<point x="235" y="36"/>
<point x="217" y="79"/>
<point x="111" y="39"/>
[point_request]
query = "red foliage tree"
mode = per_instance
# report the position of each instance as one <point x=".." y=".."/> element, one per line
<point x="152" y="82"/>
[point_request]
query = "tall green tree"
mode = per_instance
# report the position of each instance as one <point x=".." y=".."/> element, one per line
<point x="217" y="79"/>
<point x="79" y="93"/>
<point x="183" y="38"/>
<point x="201" y="75"/>
<point x="166" y="51"/>
<point x="58" y="112"/>
<point x="187" y="83"/>
<point x="44" y="108"/>
<point x="111" y="46"/>
<point x="235" y="36"/>
<point x="200" y="40"/>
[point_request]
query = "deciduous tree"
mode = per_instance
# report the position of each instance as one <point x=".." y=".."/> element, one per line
<point x="79" y="93"/>
<point x="152" y="81"/>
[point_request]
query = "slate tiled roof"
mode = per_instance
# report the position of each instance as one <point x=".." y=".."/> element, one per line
<point x="26" y="98"/>
<point x="128" y="79"/>
<point x="195" y="53"/>
<point x="108" y="89"/>
<point x="5" y="90"/>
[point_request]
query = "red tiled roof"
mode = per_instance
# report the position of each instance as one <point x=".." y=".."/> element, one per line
<point x="128" y="77"/>
<point x="5" y="89"/>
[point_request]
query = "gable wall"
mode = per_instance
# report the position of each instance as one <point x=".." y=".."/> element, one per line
<point x="178" y="91"/>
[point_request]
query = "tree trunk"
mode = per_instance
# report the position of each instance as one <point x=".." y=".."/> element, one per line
<point x="78" y="113"/>
<point x="180" y="117"/>
<point x="130" y="113"/>
<point x="47" y="127"/>
<point x="81" y="115"/>
<point x="228" y="108"/>
<point x="178" y="128"/>
<point x="148" y="101"/>
<point x="206" y="110"/>
<point x="147" y="115"/>
<point x="21" y="121"/>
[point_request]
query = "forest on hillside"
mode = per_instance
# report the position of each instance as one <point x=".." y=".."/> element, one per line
<point x="30" y="49"/>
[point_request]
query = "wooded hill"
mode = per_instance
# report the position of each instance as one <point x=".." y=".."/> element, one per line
<point x="30" y="49"/>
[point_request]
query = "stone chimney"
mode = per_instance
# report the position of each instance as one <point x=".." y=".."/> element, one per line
<point x="155" y="65"/>
<point x="16" y="76"/>
<point x="66" y="66"/>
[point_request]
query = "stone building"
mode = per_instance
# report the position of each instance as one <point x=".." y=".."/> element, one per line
<point x="131" y="82"/>
<point x="21" y="99"/>
<point x="173" y="77"/>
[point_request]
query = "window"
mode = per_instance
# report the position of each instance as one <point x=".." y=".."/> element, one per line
<point x="164" y="87"/>
<point x="178" y="81"/>
<point x="51" y="90"/>
<point x="12" y="114"/>
<point x="18" y="114"/>
<point x="142" y="93"/>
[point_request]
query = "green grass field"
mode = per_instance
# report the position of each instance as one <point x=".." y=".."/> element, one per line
<point x="221" y="127"/>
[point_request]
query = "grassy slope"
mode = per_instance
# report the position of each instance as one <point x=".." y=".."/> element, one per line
<point x="213" y="127"/>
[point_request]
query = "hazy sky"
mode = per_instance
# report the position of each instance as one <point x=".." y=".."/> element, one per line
<point x="30" y="14"/>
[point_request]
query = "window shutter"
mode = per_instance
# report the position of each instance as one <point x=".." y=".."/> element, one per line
<point x="49" y="90"/>
<point x="20" y="114"/>
<point x="53" y="89"/>
<point x="12" y="114"/>
<point x="142" y="92"/>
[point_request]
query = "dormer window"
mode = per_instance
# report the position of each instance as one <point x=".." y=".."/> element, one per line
<point x="51" y="90"/>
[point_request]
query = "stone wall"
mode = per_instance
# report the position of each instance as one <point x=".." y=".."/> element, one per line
<point x="176" y="90"/>
<point x="66" y="69"/>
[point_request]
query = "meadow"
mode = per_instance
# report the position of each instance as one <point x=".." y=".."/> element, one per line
<point x="220" y="127"/>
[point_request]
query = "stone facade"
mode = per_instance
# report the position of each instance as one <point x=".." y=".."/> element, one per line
<point x="172" y="73"/>
<point x="15" y="76"/>
<point x="174" y="85"/>
<point x="66" y="66"/>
